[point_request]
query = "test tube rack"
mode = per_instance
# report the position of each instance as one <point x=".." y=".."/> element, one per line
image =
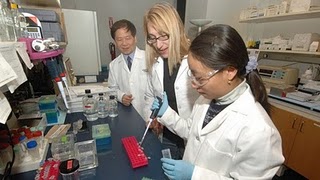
<point x="134" y="151"/>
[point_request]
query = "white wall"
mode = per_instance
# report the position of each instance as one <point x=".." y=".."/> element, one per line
<point x="195" y="9"/>
<point x="132" y="10"/>
<point x="220" y="12"/>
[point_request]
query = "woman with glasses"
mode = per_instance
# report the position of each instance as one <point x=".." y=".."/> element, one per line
<point x="166" y="50"/>
<point x="229" y="133"/>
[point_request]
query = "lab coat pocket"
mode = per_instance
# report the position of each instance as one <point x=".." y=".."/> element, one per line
<point x="213" y="159"/>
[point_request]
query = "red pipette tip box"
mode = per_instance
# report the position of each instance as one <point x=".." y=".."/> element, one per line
<point x="135" y="153"/>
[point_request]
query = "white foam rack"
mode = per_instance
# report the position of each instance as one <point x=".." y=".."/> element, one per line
<point x="29" y="164"/>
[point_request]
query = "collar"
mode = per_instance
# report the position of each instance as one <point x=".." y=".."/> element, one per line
<point x="125" y="56"/>
<point x="233" y="95"/>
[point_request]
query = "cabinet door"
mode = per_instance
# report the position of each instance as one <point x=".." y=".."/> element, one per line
<point x="287" y="124"/>
<point x="305" y="153"/>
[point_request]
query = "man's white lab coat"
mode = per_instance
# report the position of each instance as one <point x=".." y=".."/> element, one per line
<point x="133" y="82"/>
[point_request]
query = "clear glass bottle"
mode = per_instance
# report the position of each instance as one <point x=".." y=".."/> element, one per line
<point x="8" y="20"/>
<point x="90" y="108"/>
<point x="103" y="110"/>
<point x="113" y="106"/>
<point x="85" y="97"/>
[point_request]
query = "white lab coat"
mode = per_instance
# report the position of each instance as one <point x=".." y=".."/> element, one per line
<point x="133" y="82"/>
<point x="241" y="142"/>
<point x="185" y="94"/>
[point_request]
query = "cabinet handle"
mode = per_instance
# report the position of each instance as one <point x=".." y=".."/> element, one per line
<point x="301" y="126"/>
<point x="294" y="122"/>
<point x="318" y="125"/>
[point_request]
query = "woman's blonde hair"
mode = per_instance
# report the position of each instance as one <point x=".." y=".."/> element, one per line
<point x="165" y="19"/>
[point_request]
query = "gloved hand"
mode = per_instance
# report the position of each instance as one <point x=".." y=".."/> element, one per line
<point x="163" y="107"/>
<point x="177" y="169"/>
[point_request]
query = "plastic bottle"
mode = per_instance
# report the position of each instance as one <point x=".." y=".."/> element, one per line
<point x="102" y="106"/>
<point x="113" y="106"/>
<point x="33" y="149"/>
<point x="8" y="20"/>
<point x="90" y="108"/>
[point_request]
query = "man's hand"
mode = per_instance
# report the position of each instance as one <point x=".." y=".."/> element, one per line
<point x="127" y="99"/>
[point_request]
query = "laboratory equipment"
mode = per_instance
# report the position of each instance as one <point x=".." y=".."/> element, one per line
<point x="135" y="153"/>
<point x="278" y="75"/>
<point x="69" y="169"/>
<point x="302" y="42"/>
<point x="49" y="170"/>
<point x="103" y="110"/>
<point x="33" y="149"/>
<point x="48" y="106"/>
<point x="113" y="106"/>
<point x="152" y="116"/>
<point x="50" y="57"/>
<point x="102" y="134"/>
<point x="90" y="108"/>
<point x="166" y="153"/>
<point x="47" y="102"/>
<point x="200" y="23"/>
<point x="62" y="147"/>
<point x="86" y="153"/>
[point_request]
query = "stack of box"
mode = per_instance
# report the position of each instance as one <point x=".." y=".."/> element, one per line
<point x="50" y="22"/>
<point x="102" y="134"/>
<point x="48" y="105"/>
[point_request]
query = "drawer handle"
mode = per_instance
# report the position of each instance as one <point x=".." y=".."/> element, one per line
<point x="301" y="126"/>
<point x="294" y="122"/>
<point x="318" y="125"/>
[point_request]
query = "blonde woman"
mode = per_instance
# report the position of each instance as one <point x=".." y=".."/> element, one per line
<point x="166" y="56"/>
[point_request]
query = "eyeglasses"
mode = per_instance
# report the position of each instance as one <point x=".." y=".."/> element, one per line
<point x="201" y="81"/>
<point x="152" y="40"/>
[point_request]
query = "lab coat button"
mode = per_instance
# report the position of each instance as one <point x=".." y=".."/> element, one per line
<point x="197" y="138"/>
<point x="177" y="88"/>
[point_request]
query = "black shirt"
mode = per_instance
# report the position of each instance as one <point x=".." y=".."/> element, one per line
<point x="213" y="111"/>
<point x="168" y="83"/>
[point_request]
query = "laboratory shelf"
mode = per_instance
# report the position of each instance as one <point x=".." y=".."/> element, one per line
<point x="283" y="17"/>
<point x="290" y="52"/>
<point x="291" y="56"/>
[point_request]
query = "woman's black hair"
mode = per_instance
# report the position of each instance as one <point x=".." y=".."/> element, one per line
<point x="221" y="46"/>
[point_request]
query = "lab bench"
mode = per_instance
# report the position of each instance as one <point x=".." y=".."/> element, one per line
<point x="300" y="132"/>
<point x="114" y="163"/>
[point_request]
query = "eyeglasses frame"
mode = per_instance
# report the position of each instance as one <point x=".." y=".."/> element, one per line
<point x="207" y="78"/>
<point x="157" y="38"/>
